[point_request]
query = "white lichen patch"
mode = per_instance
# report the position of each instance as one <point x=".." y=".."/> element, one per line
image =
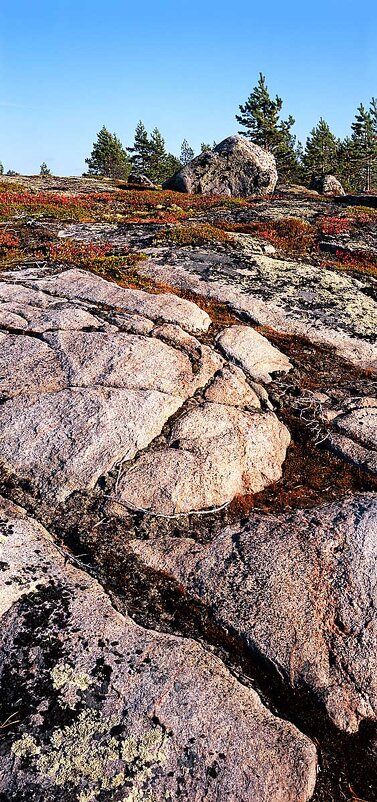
<point x="25" y="747"/>
<point x="86" y="756"/>
<point x="63" y="674"/>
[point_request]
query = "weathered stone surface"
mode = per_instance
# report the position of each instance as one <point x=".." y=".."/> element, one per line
<point x="300" y="589"/>
<point x="327" y="185"/>
<point x="104" y="709"/>
<point x="116" y="359"/>
<point x="234" y="167"/>
<point x="253" y="352"/>
<point x="16" y="316"/>
<point x="64" y="441"/>
<point x="179" y="338"/>
<point x="78" y="284"/>
<point x="326" y="306"/>
<point x="89" y="398"/>
<point x="216" y="452"/>
<point x="28" y="365"/>
<point x="355" y="435"/>
<point x="229" y="386"/>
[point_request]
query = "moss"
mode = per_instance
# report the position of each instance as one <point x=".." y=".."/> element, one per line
<point x="199" y="234"/>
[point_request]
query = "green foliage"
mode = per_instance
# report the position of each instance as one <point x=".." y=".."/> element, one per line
<point x="141" y="150"/>
<point x="204" y="146"/>
<point x="108" y="157"/>
<point x="321" y="151"/>
<point x="1" y="169"/>
<point x="187" y="153"/>
<point x="149" y="155"/>
<point x="260" y="115"/>
<point x="364" y="145"/>
<point x="44" y="170"/>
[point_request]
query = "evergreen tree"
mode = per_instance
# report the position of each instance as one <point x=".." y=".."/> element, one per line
<point x="172" y="164"/>
<point x="364" y="145"/>
<point x="108" y="157"/>
<point x="158" y="157"/>
<point x="44" y="171"/>
<point x="260" y="115"/>
<point x="204" y="146"/>
<point x="141" y="150"/>
<point x="1" y="169"/>
<point x="187" y="153"/>
<point x="321" y="151"/>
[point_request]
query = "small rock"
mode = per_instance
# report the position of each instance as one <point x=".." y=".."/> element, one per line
<point x="327" y="185"/>
<point x="216" y="452"/>
<point x="253" y="352"/>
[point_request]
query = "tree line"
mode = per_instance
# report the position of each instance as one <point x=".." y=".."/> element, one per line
<point x="353" y="159"/>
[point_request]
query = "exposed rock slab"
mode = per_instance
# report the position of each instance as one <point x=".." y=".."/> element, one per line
<point x="28" y="365"/>
<point x="235" y="166"/>
<point x="299" y="589"/>
<point x="216" y="452"/>
<point x="64" y="441"/>
<point x="116" y="359"/>
<point x="326" y="306"/>
<point x="25" y="317"/>
<point x="253" y="352"/>
<point x="230" y="387"/>
<point x="79" y="284"/>
<point x="110" y="710"/>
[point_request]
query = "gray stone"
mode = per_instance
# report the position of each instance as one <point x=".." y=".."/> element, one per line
<point x="112" y="710"/>
<point x="253" y="352"/>
<point x="298" y="589"/>
<point x="327" y="185"/>
<point x="230" y="387"/>
<point x="354" y="436"/>
<point x="234" y="167"/>
<point x="139" y="179"/>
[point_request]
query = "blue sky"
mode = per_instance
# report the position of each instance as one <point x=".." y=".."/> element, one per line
<point x="67" y="68"/>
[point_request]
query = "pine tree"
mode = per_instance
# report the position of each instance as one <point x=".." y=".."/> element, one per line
<point x="187" y="153"/>
<point x="205" y="146"/>
<point x="321" y="151"/>
<point x="172" y="164"/>
<point x="158" y="156"/>
<point x="44" y="171"/>
<point x="141" y="150"/>
<point x="1" y="168"/>
<point x="364" y="145"/>
<point x="108" y="157"/>
<point x="260" y="115"/>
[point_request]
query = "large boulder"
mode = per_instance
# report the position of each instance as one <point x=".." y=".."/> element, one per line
<point x="235" y="167"/>
<point x="327" y="185"/>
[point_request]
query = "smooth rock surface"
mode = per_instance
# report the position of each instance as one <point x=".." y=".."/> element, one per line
<point x="216" y="452"/>
<point x="64" y="441"/>
<point x="253" y="352"/>
<point x="235" y="166"/>
<point x="106" y="710"/>
<point x="28" y="365"/>
<point x="299" y="589"/>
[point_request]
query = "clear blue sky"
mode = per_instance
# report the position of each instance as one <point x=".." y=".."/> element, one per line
<point x="68" y="67"/>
